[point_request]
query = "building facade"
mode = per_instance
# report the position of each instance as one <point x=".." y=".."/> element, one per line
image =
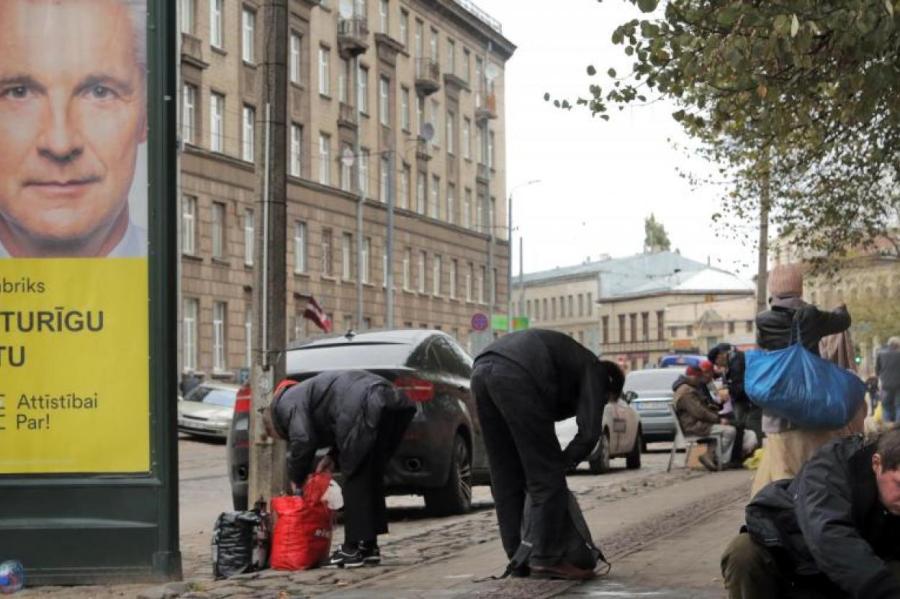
<point x="426" y="103"/>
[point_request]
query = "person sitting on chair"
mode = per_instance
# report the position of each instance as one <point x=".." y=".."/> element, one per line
<point x="697" y="418"/>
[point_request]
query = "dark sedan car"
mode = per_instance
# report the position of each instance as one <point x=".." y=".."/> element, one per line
<point x="442" y="454"/>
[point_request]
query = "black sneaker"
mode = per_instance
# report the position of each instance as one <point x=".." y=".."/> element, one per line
<point x="343" y="559"/>
<point x="371" y="555"/>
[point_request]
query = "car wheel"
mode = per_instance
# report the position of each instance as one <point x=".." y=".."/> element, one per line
<point x="633" y="459"/>
<point x="455" y="497"/>
<point x="600" y="464"/>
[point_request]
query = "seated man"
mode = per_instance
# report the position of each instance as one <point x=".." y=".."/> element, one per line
<point x="698" y="418"/>
<point x="833" y="531"/>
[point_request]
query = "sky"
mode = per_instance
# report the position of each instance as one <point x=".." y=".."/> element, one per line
<point x="599" y="180"/>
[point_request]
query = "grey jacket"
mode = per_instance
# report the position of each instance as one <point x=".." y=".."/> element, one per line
<point x="887" y="367"/>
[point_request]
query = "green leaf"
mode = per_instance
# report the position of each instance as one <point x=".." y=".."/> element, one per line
<point x="591" y="71"/>
<point x="547" y="97"/>
<point x="647" y="5"/>
<point x="611" y="73"/>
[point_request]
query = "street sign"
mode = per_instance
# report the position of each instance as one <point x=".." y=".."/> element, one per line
<point x="520" y="323"/>
<point x="499" y="322"/>
<point x="479" y="322"/>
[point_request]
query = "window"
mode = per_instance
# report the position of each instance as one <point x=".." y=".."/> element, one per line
<point x="420" y="113"/>
<point x="435" y="211"/>
<point x="419" y="35"/>
<point x="749" y="325"/>
<point x="384" y="20"/>
<point x="191" y="309"/>
<point x="621" y="328"/>
<point x="366" y="253"/>
<point x="219" y="311"/>
<point x="434" y="119"/>
<point x="324" y="159"/>
<point x="189" y="225"/>
<point x="467" y="64"/>
<point x="300" y="247"/>
<point x="249" y="237"/>
<point x="403" y="197"/>
<point x="188" y="12"/>
<point x="385" y="172"/>
<point x="660" y="325"/>
<point x="362" y="89"/>
<point x="433" y="44"/>
<point x="216" y="12"/>
<point x="479" y="143"/>
<point x="481" y="285"/>
<point x="249" y="36"/>
<point x="451" y="203"/>
<point x="359" y="8"/>
<point x="467" y="138"/>
<point x="490" y="150"/>
<point x="479" y="76"/>
<point x="364" y="171"/>
<point x="730" y="327"/>
<point x="470" y="274"/>
<point x="580" y="304"/>
<point x="690" y="330"/>
<point x="480" y="214"/>
<point x="218" y="230"/>
<point x="645" y="326"/>
<point x="570" y="310"/>
<point x="404" y="108"/>
<point x="407" y="260"/>
<point x="347" y="257"/>
<point x="590" y="305"/>
<point x="249" y="122"/>
<point x="451" y="132"/>
<point x="343" y="79"/>
<point x="296" y="148"/>
<point x="467" y="209"/>
<point x="347" y="171"/>
<point x="216" y="122"/>
<point x="294" y="58"/>
<point x="404" y="27"/>
<point x="436" y="275"/>
<point x="454" y="266"/>
<point x="384" y="106"/>
<point x="528" y="309"/>
<point x="605" y="326"/>
<point x="188" y="113"/>
<point x="451" y="57"/>
<point x="632" y="319"/>
<point x="327" y="253"/>
<point x="421" y="270"/>
<point x="248" y="335"/>
<point x="420" y="192"/>
<point x="545" y="314"/>
<point x="324" y="71"/>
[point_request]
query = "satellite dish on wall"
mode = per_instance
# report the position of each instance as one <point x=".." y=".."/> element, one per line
<point x="345" y="9"/>
<point x="491" y="71"/>
<point x="427" y="132"/>
<point x="347" y="157"/>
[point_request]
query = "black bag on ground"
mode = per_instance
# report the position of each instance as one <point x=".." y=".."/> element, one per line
<point x="240" y="543"/>
<point x="579" y="547"/>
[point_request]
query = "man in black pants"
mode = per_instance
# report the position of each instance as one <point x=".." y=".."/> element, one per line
<point x="362" y="418"/>
<point x="523" y="383"/>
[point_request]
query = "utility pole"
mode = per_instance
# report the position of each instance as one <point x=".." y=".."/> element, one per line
<point x="762" y="271"/>
<point x="509" y="298"/>
<point x="389" y="245"/>
<point x="357" y="150"/>
<point x="267" y="464"/>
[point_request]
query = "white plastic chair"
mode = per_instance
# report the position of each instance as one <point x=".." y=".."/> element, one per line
<point x="688" y="441"/>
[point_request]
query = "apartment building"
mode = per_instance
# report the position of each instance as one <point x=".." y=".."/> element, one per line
<point x="424" y="67"/>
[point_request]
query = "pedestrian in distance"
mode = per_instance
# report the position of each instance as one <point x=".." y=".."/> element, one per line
<point x="833" y="531"/>
<point x="887" y="368"/>
<point x="523" y="383"/>
<point x="361" y="417"/>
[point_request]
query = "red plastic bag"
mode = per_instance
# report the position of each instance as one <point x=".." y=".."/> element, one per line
<point x="302" y="536"/>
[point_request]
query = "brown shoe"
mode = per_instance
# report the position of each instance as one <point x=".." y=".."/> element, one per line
<point x="709" y="463"/>
<point x="562" y="571"/>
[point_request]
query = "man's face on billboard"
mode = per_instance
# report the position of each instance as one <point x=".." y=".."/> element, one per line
<point x="72" y="113"/>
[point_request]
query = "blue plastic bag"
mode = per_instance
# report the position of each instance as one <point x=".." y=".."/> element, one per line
<point x="796" y="384"/>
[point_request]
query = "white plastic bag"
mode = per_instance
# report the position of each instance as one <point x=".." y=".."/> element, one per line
<point x="333" y="497"/>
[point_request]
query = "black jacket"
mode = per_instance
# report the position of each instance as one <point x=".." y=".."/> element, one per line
<point x="828" y="520"/>
<point x="774" y="327"/>
<point x="887" y="367"/>
<point x="570" y="378"/>
<point x="734" y="377"/>
<point x="341" y="410"/>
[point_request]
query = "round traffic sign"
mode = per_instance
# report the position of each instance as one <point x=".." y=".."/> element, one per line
<point x="479" y="322"/>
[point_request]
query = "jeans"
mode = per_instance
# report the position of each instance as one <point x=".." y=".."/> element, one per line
<point x="728" y="435"/>
<point x="889" y="405"/>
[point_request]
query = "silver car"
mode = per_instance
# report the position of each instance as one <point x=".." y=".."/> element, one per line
<point x="622" y="433"/>
<point x="207" y="410"/>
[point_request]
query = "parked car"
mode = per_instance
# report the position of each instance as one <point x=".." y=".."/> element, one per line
<point x="621" y="436"/>
<point x="442" y="454"/>
<point x="653" y="390"/>
<point x="207" y="410"/>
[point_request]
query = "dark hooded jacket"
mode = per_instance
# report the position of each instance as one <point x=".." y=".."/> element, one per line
<point x="828" y="520"/>
<point x="341" y="410"/>
<point x="887" y="367"/>
<point x="571" y="379"/>
<point x="774" y="327"/>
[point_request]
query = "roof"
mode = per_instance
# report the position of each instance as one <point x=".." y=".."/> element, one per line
<point x="708" y="280"/>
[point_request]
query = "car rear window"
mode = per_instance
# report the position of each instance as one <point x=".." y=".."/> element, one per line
<point x="651" y="381"/>
<point x="213" y="396"/>
<point x="367" y="356"/>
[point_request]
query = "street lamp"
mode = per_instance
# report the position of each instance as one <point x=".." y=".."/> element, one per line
<point x="509" y="228"/>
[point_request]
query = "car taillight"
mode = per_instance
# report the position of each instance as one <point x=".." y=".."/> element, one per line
<point x="244" y="398"/>
<point x="416" y="390"/>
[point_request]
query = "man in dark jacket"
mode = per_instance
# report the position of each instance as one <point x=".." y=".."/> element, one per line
<point x="523" y="383"/>
<point x="747" y="415"/>
<point x="697" y="417"/>
<point x="833" y="531"/>
<point x="887" y="367"/>
<point x="362" y="418"/>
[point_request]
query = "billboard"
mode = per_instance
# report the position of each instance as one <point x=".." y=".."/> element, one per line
<point x="74" y="292"/>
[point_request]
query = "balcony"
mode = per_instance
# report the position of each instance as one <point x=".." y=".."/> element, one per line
<point x="485" y="106"/>
<point x="428" y="76"/>
<point x="192" y="51"/>
<point x="482" y="175"/>
<point x="353" y="36"/>
<point x="347" y="116"/>
<point x="423" y="149"/>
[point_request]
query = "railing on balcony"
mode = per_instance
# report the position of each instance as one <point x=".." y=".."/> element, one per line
<point x="482" y="172"/>
<point x="423" y="149"/>
<point x="347" y="116"/>
<point x="192" y="50"/>
<point x="485" y="105"/>
<point x="353" y="35"/>
<point x="428" y="76"/>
